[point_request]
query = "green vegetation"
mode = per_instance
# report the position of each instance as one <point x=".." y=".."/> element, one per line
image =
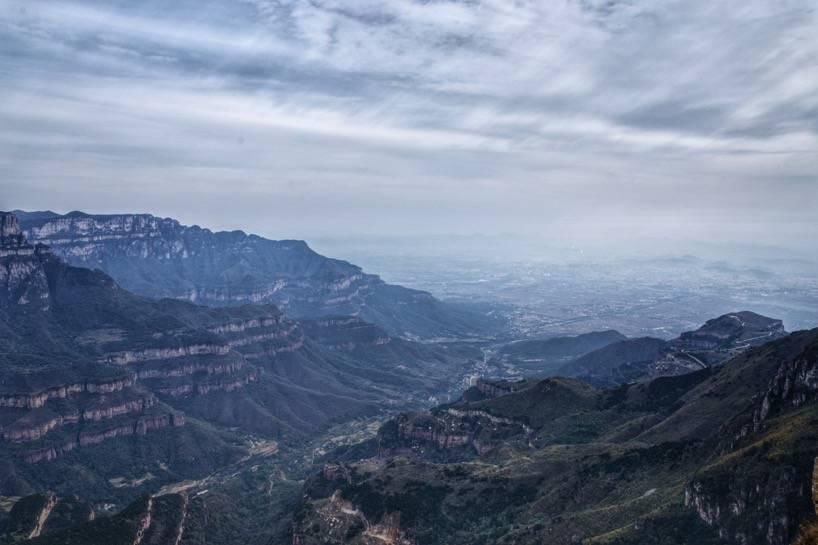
<point x="668" y="462"/>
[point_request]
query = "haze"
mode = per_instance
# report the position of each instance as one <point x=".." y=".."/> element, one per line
<point x="576" y="121"/>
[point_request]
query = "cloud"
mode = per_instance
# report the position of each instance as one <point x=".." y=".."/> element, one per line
<point x="525" y="112"/>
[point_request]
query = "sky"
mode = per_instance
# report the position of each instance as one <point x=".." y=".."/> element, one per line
<point x="588" y="121"/>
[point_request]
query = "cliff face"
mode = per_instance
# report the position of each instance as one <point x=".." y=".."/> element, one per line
<point x="159" y="257"/>
<point x="496" y="388"/>
<point x="765" y="509"/>
<point x="765" y="493"/>
<point x="345" y="333"/>
<point x="22" y="279"/>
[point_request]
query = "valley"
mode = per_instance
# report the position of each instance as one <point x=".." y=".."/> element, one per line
<point x="408" y="272"/>
<point x="331" y="407"/>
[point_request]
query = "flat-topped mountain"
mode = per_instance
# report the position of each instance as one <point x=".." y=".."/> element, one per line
<point x="159" y="257"/>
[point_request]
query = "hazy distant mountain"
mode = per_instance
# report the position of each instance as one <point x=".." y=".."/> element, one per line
<point x="637" y="359"/>
<point x="724" y="455"/>
<point x="159" y="257"/>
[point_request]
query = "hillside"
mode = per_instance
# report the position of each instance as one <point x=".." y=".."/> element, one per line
<point x="711" y="344"/>
<point x="547" y="355"/>
<point x="99" y="386"/>
<point x="159" y="257"/>
<point x="721" y="455"/>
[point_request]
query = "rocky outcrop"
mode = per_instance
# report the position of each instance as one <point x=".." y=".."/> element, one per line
<point x="226" y="384"/>
<point x="137" y="356"/>
<point x="109" y="411"/>
<point x="27" y="518"/>
<point x="433" y="430"/>
<point x="244" y="325"/>
<point x="795" y="383"/>
<point x="20" y="432"/>
<point x="22" y="277"/>
<point x="480" y="414"/>
<point x="140" y="426"/>
<point x="32" y="427"/>
<point x="42" y="516"/>
<point x="496" y="388"/>
<point x="39" y="399"/>
<point x="340" y="521"/>
<point x="9" y="226"/>
<point x="753" y="499"/>
<point x="764" y="510"/>
<point x="808" y="534"/>
<point x="191" y="367"/>
<point x="144" y="523"/>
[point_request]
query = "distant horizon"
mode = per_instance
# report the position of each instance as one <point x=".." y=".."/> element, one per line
<point x="587" y="121"/>
<point x="529" y="247"/>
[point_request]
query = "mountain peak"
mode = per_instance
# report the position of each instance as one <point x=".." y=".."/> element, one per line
<point x="8" y="225"/>
<point x="735" y="328"/>
<point x="12" y="240"/>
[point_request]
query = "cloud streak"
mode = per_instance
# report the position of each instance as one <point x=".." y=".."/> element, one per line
<point x="417" y="115"/>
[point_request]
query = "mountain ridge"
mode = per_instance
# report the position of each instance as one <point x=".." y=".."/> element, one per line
<point x="714" y="342"/>
<point x="160" y="257"/>
<point x="87" y="367"/>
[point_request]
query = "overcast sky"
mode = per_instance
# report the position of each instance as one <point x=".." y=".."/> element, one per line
<point x="588" y="120"/>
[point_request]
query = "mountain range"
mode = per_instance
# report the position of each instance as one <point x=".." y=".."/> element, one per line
<point x="131" y="412"/>
<point x="610" y="358"/>
<point x="84" y="362"/>
<point x="159" y="257"/>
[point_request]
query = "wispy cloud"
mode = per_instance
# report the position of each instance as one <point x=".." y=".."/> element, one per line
<point x="411" y="113"/>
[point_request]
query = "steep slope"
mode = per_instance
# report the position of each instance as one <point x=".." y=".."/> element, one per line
<point x="722" y="455"/>
<point x="100" y="386"/>
<point x="42" y="514"/>
<point x="159" y="257"/>
<point x="147" y="521"/>
<point x="616" y="363"/>
<point x="713" y="343"/>
<point x="547" y="355"/>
